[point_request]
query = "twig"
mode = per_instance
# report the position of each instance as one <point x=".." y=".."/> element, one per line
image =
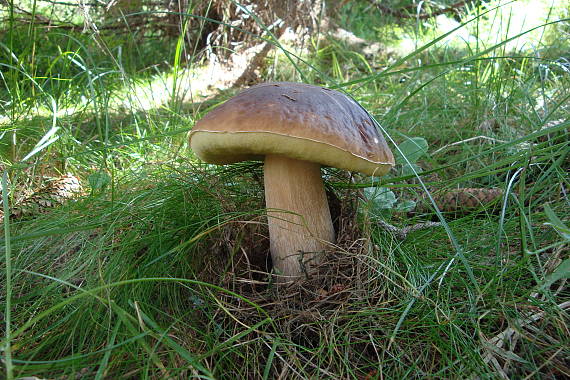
<point x="402" y="233"/>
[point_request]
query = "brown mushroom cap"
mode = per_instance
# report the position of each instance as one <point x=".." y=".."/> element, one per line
<point x="296" y="120"/>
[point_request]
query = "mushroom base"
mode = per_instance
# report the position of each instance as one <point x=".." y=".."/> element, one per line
<point x="300" y="225"/>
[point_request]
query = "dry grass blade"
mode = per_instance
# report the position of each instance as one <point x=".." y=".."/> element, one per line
<point x="495" y="346"/>
<point x="439" y="150"/>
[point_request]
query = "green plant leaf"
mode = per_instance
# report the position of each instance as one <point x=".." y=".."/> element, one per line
<point x="405" y="206"/>
<point x="98" y="181"/>
<point x="413" y="149"/>
<point x="562" y="271"/>
<point x="408" y="169"/>
<point x="380" y="198"/>
<point x="556" y="223"/>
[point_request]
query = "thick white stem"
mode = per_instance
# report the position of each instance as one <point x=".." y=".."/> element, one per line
<point x="298" y="234"/>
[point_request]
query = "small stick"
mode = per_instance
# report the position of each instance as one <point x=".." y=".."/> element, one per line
<point x="402" y="233"/>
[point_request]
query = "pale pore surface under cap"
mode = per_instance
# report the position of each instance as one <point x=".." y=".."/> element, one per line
<point x="296" y="120"/>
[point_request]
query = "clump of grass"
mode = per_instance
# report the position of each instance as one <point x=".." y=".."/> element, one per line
<point x="147" y="233"/>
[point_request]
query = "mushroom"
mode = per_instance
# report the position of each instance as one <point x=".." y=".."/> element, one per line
<point x="295" y="128"/>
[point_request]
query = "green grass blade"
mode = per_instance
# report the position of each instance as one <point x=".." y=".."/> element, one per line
<point x="7" y="341"/>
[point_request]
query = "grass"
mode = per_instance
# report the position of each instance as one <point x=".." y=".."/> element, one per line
<point x="157" y="269"/>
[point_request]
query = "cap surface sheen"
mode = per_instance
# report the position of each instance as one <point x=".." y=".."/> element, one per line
<point x="297" y="120"/>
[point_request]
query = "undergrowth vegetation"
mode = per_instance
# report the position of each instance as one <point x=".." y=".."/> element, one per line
<point x="159" y="267"/>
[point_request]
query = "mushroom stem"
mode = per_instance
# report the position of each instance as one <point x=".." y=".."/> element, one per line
<point x="298" y="234"/>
